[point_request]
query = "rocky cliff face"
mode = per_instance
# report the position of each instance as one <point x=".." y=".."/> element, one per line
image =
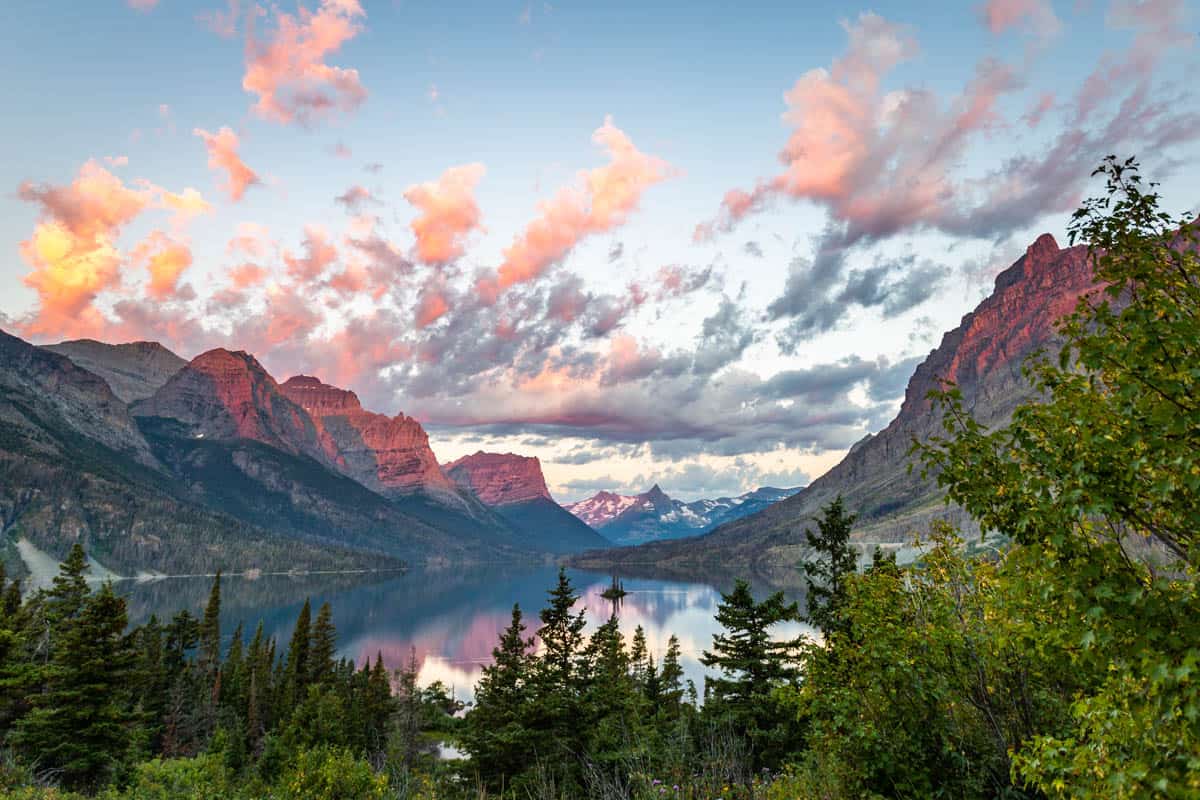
<point x="41" y="388"/>
<point x="387" y="454"/>
<point x="500" y="479"/>
<point x="134" y="371"/>
<point x="983" y="356"/>
<point x="515" y="489"/>
<point x="227" y="395"/>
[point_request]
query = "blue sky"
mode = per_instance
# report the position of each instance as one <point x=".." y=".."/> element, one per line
<point x="636" y="353"/>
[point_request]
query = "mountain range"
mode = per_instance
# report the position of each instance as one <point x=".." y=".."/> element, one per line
<point x="654" y="516"/>
<point x="982" y="356"/>
<point x="161" y="464"/>
<point x="211" y="463"/>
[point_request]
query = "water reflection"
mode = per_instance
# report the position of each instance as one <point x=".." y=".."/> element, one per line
<point x="448" y="620"/>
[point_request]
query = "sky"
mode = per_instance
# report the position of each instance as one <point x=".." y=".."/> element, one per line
<point x="701" y="245"/>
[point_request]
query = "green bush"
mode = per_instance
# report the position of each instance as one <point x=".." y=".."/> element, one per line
<point x="326" y="773"/>
<point x="198" y="778"/>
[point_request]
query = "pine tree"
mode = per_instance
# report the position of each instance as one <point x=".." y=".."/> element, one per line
<point x="752" y="664"/>
<point x="407" y="726"/>
<point x="233" y="671"/>
<point x="611" y="702"/>
<point x="671" y="678"/>
<point x="258" y="690"/>
<point x="150" y="682"/>
<point x="378" y="706"/>
<point x="496" y="733"/>
<point x="210" y="631"/>
<point x="639" y="655"/>
<point x="297" y="658"/>
<point x="79" y="722"/>
<point x="562" y="636"/>
<point x="323" y="647"/>
<point x="835" y="559"/>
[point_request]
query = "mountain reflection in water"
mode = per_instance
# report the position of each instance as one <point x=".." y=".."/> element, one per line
<point x="450" y="619"/>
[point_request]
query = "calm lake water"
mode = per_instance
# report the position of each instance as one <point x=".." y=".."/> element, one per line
<point x="450" y="619"/>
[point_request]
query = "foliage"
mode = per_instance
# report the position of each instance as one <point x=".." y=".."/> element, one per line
<point x="835" y="558"/>
<point x="1101" y="482"/>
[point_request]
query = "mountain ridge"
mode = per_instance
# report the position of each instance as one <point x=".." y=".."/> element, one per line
<point x="653" y="515"/>
<point x="983" y="356"/>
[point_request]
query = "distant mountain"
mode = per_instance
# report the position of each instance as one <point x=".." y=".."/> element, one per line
<point x="133" y="371"/>
<point x="653" y="516"/>
<point x="983" y="356"/>
<point x="515" y="488"/>
<point x="75" y="466"/>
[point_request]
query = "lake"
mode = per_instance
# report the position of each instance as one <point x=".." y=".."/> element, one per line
<point x="450" y="619"/>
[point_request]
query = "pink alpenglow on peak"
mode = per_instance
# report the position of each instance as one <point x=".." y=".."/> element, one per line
<point x="229" y="395"/>
<point x="387" y="454"/>
<point x="500" y="479"/>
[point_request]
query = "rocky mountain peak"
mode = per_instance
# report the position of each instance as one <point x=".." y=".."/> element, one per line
<point x="387" y="454"/>
<point x="320" y="399"/>
<point x="133" y="370"/>
<point x="500" y="478"/>
<point x="225" y="394"/>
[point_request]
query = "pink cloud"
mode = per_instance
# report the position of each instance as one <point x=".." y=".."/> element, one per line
<point x="602" y="201"/>
<point x="319" y="254"/>
<point x="246" y="275"/>
<point x="142" y="5"/>
<point x="1158" y="26"/>
<point x="448" y="213"/>
<point x="288" y="72"/>
<point x="355" y="198"/>
<point x="222" y="155"/>
<point x="165" y="259"/>
<point x="878" y="160"/>
<point x="431" y="306"/>
<point x="250" y="238"/>
<point x="1038" y="15"/>
<point x="73" y="248"/>
<point x="1045" y="104"/>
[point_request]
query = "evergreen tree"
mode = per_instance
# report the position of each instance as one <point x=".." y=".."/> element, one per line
<point x="79" y="722"/>
<point x="407" y="717"/>
<point x="69" y="590"/>
<point x="611" y="703"/>
<point x="825" y="575"/>
<point x="639" y="655"/>
<point x="671" y="678"/>
<point x="323" y="647"/>
<point x="556" y="684"/>
<point x="752" y="665"/>
<point x="150" y="682"/>
<point x="210" y="632"/>
<point x="561" y="635"/>
<point x="496" y="733"/>
<point x="378" y="706"/>
<point x="297" y="657"/>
